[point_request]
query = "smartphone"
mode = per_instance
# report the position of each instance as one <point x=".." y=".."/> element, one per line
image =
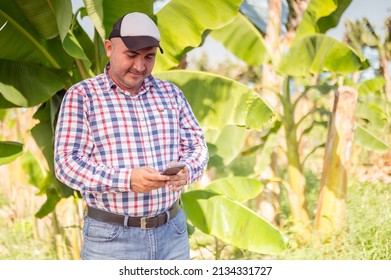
<point x="173" y="169"/>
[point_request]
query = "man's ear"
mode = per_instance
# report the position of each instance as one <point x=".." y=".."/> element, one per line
<point x="108" y="47"/>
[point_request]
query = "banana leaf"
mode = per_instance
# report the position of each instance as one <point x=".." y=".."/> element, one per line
<point x="9" y="151"/>
<point x="232" y="222"/>
<point x="244" y="40"/>
<point x="315" y="54"/>
<point x="184" y="24"/>
<point x="236" y="188"/>
<point x="27" y="85"/>
<point x="369" y="140"/>
<point x="320" y="16"/>
<point x="228" y="142"/>
<point x="218" y="101"/>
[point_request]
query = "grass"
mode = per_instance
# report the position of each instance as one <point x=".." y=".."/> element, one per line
<point x="368" y="229"/>
<point x="17" y="242"/>
<point x="17" y="237"/>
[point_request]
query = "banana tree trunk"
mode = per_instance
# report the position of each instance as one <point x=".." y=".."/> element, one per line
<point x="296" y="179"/>
<point x="331" y="214"/>
<point x="386" y="75"/>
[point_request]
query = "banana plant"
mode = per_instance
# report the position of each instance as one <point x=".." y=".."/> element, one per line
<point x="300" y="63"/>
<point x="45" y="50"/>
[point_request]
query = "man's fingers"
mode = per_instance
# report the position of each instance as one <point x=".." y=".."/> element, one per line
<point x="145" y="179"/>
<point x="176" y="189"/>
<point x="177" y="182"/>
<point x="152" y="174"/>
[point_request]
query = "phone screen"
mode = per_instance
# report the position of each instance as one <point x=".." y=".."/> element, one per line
<point x="173" y="170"/>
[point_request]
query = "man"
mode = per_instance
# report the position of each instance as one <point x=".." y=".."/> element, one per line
<point x="115" y="134"/>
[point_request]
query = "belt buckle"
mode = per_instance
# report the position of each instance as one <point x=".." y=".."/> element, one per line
<point x="143" y="223"/>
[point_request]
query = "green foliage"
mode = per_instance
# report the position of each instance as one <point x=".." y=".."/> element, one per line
<point x="368" y="140"/>
<point x="372" y="86"/>
<point x="40" y="132"/>
<point x="322" y="53"/>
<point x="9" y="151"/>
<point x="192" y="21"/>
<point x="45" y="50"/>
<point x="17" y="242"/>
<point x="239" y="189"/>
<point x="320" y="16"/>
<point x="223" y="217"/>
<point x="25" y="81"/>
<point x="219" y="101"/>
<point x="366" y="237"/>
<point x="226" y="150"/>
<point x="373" y="113"/>
<point x="243" y="39"/>
<point x="36" y="174"/>
<point x="368" y="229"/>
<point x="41" y="179"/>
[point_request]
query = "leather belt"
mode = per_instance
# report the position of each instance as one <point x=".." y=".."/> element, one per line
<point x="140" y="222"/>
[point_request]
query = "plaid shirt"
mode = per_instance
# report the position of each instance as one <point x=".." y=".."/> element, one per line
<point x="104" y="132"/>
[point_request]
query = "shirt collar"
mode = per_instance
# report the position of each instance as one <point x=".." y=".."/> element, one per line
<point x="109" y="83"/>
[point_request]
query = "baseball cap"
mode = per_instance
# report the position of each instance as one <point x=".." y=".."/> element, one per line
<point x="137" y="31"/>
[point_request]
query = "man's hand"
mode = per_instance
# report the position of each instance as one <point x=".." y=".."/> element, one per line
<point x="145" y="179"/>
<point x="178" y="181"/>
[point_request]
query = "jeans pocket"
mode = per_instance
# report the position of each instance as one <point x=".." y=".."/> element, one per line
<point x="99" y="231"/>
<point x="179" y="222"/>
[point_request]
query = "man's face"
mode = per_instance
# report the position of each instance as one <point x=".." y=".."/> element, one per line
<point x="128" y="69"/>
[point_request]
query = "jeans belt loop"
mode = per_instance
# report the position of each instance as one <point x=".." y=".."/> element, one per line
<point x="168" y="216"/>
<point x="126" y="221"/>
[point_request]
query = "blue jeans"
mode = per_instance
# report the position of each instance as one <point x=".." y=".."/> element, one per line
<point x="114" y="242"/>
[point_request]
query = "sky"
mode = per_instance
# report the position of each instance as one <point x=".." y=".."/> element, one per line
<point x="375" y="11"/>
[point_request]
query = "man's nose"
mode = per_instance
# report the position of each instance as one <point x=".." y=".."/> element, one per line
<point x="139" y="64"/>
